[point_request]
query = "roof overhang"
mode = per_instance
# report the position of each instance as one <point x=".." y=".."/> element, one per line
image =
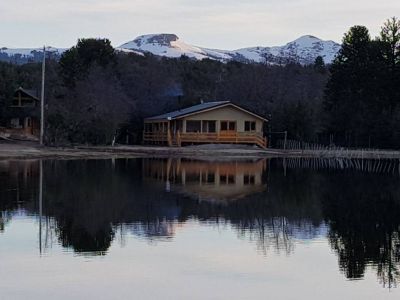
<point x="27" y="93"/>
<point x="206" y="110"/>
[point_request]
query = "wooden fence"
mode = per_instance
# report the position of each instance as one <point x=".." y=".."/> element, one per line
<point x="383" y="166"/>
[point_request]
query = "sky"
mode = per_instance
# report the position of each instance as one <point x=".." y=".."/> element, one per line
<point x="221" y="24"/>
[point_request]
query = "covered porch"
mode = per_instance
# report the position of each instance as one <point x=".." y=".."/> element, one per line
<point x="180" y="132"/>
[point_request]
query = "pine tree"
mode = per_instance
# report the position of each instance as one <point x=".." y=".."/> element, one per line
<point x="346" y="93"/>
<point x="76" y="62"/>
<point x="390" y="36"/>
<point x="319" y="64"/>
<point x="390" y="44"/>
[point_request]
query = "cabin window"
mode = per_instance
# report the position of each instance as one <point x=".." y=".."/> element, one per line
<point x="226" y="179"/>
<point x="208" y="177"/>
<point x="249" y="179"/>
<point x="15" y="123"/>
<point x="193" y="126"/>
<point x="249" y="126"/>
<point x="222" y="179"/>
<point x="209" y="126"/>
<point x="224" y="125"/>
<point x="228" y="125"/>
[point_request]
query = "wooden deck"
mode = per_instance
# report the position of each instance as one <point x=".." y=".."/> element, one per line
<point x="204" y="138"/>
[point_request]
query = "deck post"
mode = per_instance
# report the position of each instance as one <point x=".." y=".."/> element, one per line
<point x="169" y="137"/>
<point x="179" y="141"/>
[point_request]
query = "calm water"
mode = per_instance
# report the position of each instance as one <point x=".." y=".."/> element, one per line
<point x="186" y="229"/>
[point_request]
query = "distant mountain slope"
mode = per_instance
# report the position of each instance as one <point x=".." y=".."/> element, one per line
<point x="303" y="50"/>
<point x="25" y="55"/>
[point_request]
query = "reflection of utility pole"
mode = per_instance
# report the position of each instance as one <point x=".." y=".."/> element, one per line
<point x="42" y="98"/>
<point x="284" y="166"/>
<point x="284" y="144"/>
<point x="40" y="204"/>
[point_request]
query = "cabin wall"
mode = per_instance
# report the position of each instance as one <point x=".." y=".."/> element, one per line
<point x="226" y="114"/>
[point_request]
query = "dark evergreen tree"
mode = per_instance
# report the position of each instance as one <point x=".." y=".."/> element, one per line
<point x="319" y="64"/>
<point x="351" y="89"/>
<point x="75" y="62"/>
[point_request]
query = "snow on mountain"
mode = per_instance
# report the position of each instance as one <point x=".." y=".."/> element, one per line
<point x="303" y="50"/>
<point x="24" y="55"/>
<point x="29" y="51"/>
<point x="306" y="48"/>
<point x="170" y="45"/>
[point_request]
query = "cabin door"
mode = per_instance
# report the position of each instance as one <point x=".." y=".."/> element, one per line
<point x="28" y="125"/>
<point x="228" y="128"/>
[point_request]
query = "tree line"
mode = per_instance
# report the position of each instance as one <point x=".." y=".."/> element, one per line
<point x="95" y="93"/>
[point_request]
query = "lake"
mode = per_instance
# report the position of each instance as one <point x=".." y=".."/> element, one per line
<point x="154" y="228"/>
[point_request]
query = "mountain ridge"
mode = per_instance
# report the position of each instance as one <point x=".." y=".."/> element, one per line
<point x="302" y="50"/>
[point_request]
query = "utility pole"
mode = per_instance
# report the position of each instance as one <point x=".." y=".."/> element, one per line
<point x="42" y="97"/>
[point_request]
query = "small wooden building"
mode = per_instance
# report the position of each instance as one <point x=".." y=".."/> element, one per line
<point x="209" y="122"/>
<point x="23" y="114"/>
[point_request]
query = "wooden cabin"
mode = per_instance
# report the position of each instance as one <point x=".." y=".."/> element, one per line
<point x="206" y="123"/>
<point x="23" y="115"/>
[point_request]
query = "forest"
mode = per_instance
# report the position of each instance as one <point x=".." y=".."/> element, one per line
<point x="94" y="92"/>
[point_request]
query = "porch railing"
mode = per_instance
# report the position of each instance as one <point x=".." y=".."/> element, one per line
<point x="199" y="137"/>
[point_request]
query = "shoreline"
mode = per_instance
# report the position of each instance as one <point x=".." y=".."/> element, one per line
<point x="23" y="150"/>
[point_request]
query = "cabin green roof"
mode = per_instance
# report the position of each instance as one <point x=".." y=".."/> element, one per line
<point x="196" y="109"/>
<point x="186" y="111"/>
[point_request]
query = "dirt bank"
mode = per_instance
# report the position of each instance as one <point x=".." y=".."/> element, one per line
<point x="29" y="150"/>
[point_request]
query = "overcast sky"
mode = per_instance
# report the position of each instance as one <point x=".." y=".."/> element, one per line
<point x="223" y="24"/>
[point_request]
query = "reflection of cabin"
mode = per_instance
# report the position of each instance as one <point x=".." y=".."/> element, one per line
<point x="23" y="114"/>
<point x="219" y="181"/>
<point x="210" y="122"/>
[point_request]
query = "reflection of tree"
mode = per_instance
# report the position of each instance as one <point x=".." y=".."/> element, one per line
<point x="364" y="224"/>
<point x="90" y="199"/>
<point x="275" y="232"/>
<point x="18" y="187"/>
<point x="5" y="217"/>
<point x="83" y="240"/>
<point x="290" y="209"/>
<point x="87" y="201"/>
<point x="154" y="230"/>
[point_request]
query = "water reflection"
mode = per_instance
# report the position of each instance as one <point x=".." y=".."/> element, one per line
<point x="218" y="182"/>
<point x="87" y="203"/>
<point x="364" y="224"/>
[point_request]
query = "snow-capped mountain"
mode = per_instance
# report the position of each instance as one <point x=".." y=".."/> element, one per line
<point x="303" y="50"/>
<point x="170" y="45"/>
